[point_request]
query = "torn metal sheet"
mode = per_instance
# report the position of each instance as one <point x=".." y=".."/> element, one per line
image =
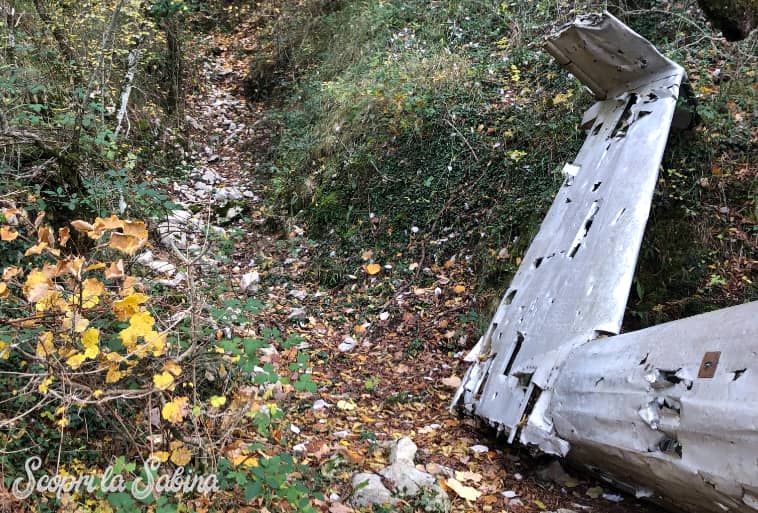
<point x="670" y="412"/>
<point x="638" y="409"/>
<point x="574" y="280"/>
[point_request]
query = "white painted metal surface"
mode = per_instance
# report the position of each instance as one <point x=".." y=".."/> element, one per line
<point x="574" y="280"/>
<point x="657" y="412"/>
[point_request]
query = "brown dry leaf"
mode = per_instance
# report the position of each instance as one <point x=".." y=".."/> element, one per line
<point x="40" y="218"/>
<point x="37" y="249"/>
<point x="8" y="234"/>
<point x="451" y="382"/>
<point x="45" y="234"/>
<point x="82" y="226"/>
<point x="3" y="289"/>
<point x="11" y="272"/>
<point x="108" y="223"/>
<point x="126" y="243"/>
<point x="136" y="229"/>
<point x="115" y="270"/>
<point x="373" y="269"/>
<point x="64" y="234"/>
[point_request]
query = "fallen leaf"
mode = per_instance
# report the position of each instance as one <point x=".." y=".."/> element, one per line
<point x="373" y="269"/>
<point x="175" y="411"/>
<point x="181" y="456"/>
<point x="451" y="382"/>
<point x="346" y="405"/>
<point x="8" y="234"/>
<point x="163" y="381"/>
<point x="463" y="491"/>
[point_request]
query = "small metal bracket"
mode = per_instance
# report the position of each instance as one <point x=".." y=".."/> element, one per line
<point x="709" y="364"/>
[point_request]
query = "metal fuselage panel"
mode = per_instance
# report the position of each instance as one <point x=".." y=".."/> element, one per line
<point x="574" y="280"/>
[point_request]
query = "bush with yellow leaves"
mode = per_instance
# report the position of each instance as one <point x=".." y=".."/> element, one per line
<point x="83" y="354"/>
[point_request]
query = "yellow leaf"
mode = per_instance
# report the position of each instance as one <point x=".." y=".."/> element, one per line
<point x="465" y="492"/>
<point x="115" y="270"/>
<point x="113" y="374"/>
<point x="373" y="269"/>
<point x="128" y="306"/>
<point x="540" y="504"/>
<point x="459" y="289"/>
<point x="95" y="266"/>
<point x="161" y="456"/>
<point x="174" y="411"/>
<point x="128" y="244"/>
<point x="3" y="289"/>
<point x="562" y="98"/>
<point x="64" y="234"/>
<point x="37" y="249"/>
<point x="108" y="223"/>
<point x="97" y="394"/>
<point x="82" y="226"/>
<point x="140" y="325"/>
<point x="163" y="381"/>
<point x="172" y="367"/>
<point x="68" y="322"/>
<point x="76" y="360"/>
<point x="11" y="272"/>
<point x="157" y="343"/>
<point x="136" y="229"/>
<point x="346" y="405"/>
<point x="217" y="401"/>
<point x="45" y="346"/>
<point x="5" y="350"/>
<point x="92" y="289"/>
<point x="181" y="456"/>
<point x="63" y="422"/>
<point x="45" y="385"/>
<point x="90" y="341"/>
<point x="8" y="234"/>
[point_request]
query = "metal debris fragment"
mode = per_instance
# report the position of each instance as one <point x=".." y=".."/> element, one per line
<point x="669" y="412"/>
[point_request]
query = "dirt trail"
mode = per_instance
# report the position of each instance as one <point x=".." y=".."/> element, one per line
<point x="407" y="341"/>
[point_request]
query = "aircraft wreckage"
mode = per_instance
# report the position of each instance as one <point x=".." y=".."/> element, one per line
<point x="670" y="412"/>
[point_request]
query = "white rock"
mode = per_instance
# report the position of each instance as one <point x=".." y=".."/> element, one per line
<point x="368" y="490"/>
<point x="347" y="344"/>
<point x="479" y="449"/>
<point x="299" y="294"/>
<point x="320" y="404"/>
<point x="297" y="313"/>
<point x="384" y="316"/>
<point x="249" y="282"/>
<point x="145" y="258"/>
<point x="403" y="451"/>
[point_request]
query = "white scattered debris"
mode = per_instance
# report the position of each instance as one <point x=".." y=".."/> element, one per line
<point x="249" y="283"/>
<point x="347" y="344"/>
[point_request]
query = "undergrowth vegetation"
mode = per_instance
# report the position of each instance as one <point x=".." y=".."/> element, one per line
<point x="438" y="129"/>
